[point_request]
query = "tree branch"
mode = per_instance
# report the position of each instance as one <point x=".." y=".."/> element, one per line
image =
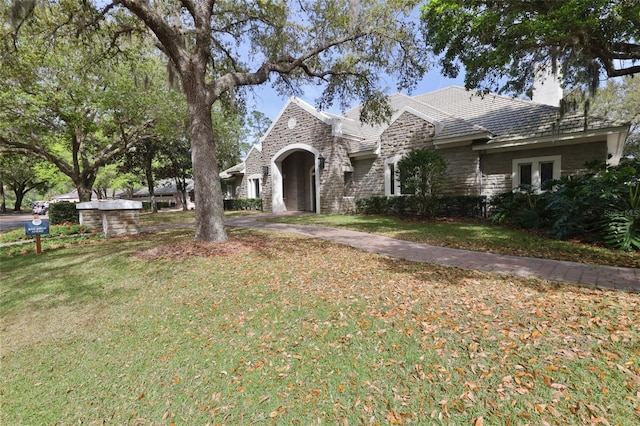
<point x="169" y="37"/>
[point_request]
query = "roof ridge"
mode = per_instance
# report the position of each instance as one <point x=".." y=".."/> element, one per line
<point x="455" y="117"/>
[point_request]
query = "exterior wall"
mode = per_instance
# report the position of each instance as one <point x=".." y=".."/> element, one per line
<point x="111" y="223"/>
<point x="497" y="166"/>
<point x="409" y="133"/>
<point x="313" y="132"/>
<point x="253" y="166"/>
<point x="405" y="134"/>
<point x="342" y="179"/>
<point x="463" y="171"/>
<point x="368" y="177"/>
<point x="91" y="219"/>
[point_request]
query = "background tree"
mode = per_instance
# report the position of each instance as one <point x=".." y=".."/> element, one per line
<point x="175" y="164"/>
<point x="620" y="99"/>
<point x="501" y="44"/>
<point x="220" y="47"/>
<point x="256" y="125"/>
<point x="421" y="173"/>
<point x="20" y="172"/>
<point x="68" y="96"/>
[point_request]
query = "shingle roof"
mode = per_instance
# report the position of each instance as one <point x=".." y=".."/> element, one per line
<point x="512" y="119"/>
<point x="464" y="114"/>
<point x="233" y="170"/>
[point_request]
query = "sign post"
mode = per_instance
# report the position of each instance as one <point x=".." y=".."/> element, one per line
<point x="36" y="228"/>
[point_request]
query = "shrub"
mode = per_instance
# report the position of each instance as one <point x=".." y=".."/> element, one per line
<point x="604" y="203"/>
<point x="63" y="212"/>
<point x="243" y="204"/>
<point x="411" y="205"/>
<point x="623" y="227"/>
<point x="422" y="173"/>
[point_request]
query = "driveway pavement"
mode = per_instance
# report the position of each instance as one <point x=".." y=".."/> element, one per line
<point x="588" y="275"/>
<point x="15" y="220"/>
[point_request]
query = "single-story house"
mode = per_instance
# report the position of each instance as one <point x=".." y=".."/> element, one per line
<point x="166" y="192"/>
<point x="320" y="162"/>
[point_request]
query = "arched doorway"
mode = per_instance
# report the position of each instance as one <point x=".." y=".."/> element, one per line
<point x="294" y="179"/>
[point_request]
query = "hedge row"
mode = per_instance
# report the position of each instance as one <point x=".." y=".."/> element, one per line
<point x="243" y="204"/>
<point x="410" y="205"/>
<point x="146" y="205"/>
<point x="63" y="212"/>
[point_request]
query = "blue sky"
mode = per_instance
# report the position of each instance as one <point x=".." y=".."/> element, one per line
<point x="266" y="100"/>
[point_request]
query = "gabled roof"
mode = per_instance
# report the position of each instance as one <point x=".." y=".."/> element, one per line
<point x="165" y="187"/>
<point x="233" y="170"/>
<point x="510" y="118"/>
<point x="459" y="116"/>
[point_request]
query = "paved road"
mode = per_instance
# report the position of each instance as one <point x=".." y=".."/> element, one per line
<point x="15" y="220"/>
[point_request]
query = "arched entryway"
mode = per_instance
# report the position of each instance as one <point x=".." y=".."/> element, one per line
<point x="295" y="172"/>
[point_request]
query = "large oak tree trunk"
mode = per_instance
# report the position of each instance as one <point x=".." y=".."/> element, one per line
<point x="207" y="189"/>
<point x="84" y="193"/>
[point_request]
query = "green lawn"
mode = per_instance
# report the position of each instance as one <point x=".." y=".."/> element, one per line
<point x="281" y="329"/>
<point x="477" y="235"/>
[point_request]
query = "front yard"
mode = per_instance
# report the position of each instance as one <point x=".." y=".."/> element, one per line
<point x="277" y="328"/>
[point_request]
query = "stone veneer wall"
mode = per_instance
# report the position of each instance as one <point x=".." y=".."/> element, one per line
<point x="311" y="131"/>
<point x="112" y="217"/>
<point x="253" y="166"/>
<point x="497" y="167"/>
<point x="408" y="133"/>
<point x="92" y="219"/>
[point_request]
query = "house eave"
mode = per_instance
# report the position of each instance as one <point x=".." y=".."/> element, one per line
<point x="555" y="140"/>
<point x="459" y="141"/>
<point x="363" y="155"/>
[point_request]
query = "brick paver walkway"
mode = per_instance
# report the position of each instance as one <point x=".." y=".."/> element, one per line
<point x="595" y="276"/>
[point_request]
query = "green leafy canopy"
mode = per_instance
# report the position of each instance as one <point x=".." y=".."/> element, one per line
<point x="502" y="44"/>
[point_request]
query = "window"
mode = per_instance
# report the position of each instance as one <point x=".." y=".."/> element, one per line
<point x="391" y="178"/>
<point x="546" y="172"/>
<point x="535" y="171"/>
<point x="525" y="174"/>
<point x="254" y="186"/>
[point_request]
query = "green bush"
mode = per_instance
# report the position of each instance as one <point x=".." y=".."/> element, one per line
<point x="412" y="205"/>
<point x="603" y="203"/>
<point x="422" y="173"/>
<point x="63" y="212"/>
<point x="243" y="204"/>
<point x="146" y="205"/>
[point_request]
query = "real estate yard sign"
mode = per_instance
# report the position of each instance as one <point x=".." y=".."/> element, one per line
<point x="36" y="228"/>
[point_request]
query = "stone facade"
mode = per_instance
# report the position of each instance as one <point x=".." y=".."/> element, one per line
<point x="497" y="166"/>
<point x="112" y="217"/>
<point x="317" y="162"/>
<point x="291" y="150"/>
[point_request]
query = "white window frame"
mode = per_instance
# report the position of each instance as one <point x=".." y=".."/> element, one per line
<point x="535" y="169"/>
<point x="251" y="192"/>
<point x="388" y="178"/>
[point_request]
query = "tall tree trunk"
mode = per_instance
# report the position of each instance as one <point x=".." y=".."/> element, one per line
<point x="3" y="204"/>
<point x="84" y="193"/>
<point x="207" y="190"/>
<point x="148" y="174"/>
<point x="19" y="192"/>
<point x="84" y="185"/>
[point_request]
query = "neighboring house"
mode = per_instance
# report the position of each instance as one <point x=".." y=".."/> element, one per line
<point x="315" y="161"/>
<point x="165" y="192"/>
